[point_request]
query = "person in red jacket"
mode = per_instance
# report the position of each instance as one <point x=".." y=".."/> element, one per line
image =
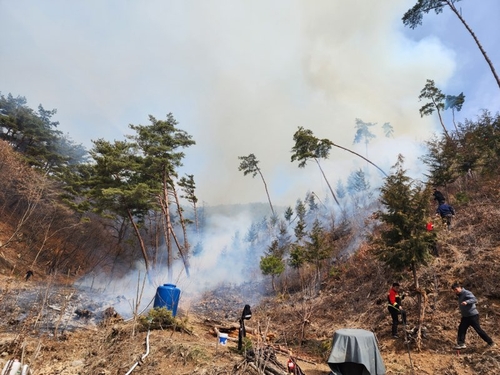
<point x="395" y="308"/>
<point x="434" y="245"/>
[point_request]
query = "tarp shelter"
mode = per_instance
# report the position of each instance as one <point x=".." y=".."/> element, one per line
<point x="355" y="352"/>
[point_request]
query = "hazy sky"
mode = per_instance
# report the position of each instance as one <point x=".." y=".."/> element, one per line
<point x="242" y="76"/>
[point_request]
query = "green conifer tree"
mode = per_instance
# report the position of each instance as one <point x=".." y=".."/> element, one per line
<point x="404" y="241"/>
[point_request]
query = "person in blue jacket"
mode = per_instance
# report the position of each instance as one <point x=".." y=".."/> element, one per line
<point x="446" y="212"/>
<point x="470" y="316"/>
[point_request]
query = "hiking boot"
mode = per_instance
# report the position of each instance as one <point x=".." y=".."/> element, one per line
<point x="460" y="346"/>
<point x="492" y="345"/>
<point x="395" y="336"/>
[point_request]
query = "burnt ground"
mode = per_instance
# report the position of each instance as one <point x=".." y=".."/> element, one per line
<point x="39" y="324"/>
<point x="59" y="329"/>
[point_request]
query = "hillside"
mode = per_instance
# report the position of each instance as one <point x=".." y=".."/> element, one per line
<point x="40" y="326"/>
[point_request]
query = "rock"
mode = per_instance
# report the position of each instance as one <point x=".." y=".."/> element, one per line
<point x="77" y="363"/>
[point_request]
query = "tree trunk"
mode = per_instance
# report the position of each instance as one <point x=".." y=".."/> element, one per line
<point x="441" y="120"/>
<point x="361" y="156"/>
<point x="267" y="192"/>
<point x="164" y="204"/>
<point x="324" y="176"/>
<point x="155" y="230"/>
<point x="184" y="251"/>
<point x="488" y="61"/>
<point x="195" y="208"/>
<point x="141" y="243"/>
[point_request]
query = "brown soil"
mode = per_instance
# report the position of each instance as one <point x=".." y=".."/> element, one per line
<point x="113" y="346"/>
<point x="39" y="326"/>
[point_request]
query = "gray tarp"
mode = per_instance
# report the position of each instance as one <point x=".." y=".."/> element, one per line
<point x="355" y="352"/>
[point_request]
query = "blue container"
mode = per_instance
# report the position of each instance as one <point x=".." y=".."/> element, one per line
<point x="168" y="296"/>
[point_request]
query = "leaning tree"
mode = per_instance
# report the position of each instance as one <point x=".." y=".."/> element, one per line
<point x="413" y="17"/>
<point x="250" y="165"/>
<point x="308" y="147"/>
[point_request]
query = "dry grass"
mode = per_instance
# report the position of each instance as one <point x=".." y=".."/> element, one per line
<point x="354" y="296"/>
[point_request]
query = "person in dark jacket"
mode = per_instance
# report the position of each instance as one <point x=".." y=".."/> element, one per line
<point x="470" y="316"/>
<point x="446" y="212"/>
<point x="395" y="309"/>
<point x="438" y="196"/>
<point x="28" y="275"/>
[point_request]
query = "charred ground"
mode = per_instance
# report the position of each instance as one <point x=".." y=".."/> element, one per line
<point x="40" y="326"/>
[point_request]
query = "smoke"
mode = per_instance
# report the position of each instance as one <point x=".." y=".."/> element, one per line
<point x="241" y="77"/>
<point x="341" y="62"/>
<point x="222" y="260"/>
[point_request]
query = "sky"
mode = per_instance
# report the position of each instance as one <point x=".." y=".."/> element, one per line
<point x="242" y="76"/>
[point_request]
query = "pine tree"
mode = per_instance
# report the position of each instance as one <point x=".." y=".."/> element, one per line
<point x="414" y="16"/>
<point x="272" y="265"/>
<point x="404" y="241"/>
<point x="317" y="249"/>
<point x="250" y="165"/>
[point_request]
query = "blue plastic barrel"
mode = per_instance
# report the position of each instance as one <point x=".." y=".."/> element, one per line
<point x="168" y="296"/>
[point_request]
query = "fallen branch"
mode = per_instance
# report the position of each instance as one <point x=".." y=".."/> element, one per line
<point x="141" y="359"/>
<point x="289" y="352"/>
<point x="54" y="307"/>
<point x="267" y="370"/>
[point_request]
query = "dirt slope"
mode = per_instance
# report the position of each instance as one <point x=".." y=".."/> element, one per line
<point x="55" y="340"/>
<point x="98" y="346"/>
<point x="38" y="322"/>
